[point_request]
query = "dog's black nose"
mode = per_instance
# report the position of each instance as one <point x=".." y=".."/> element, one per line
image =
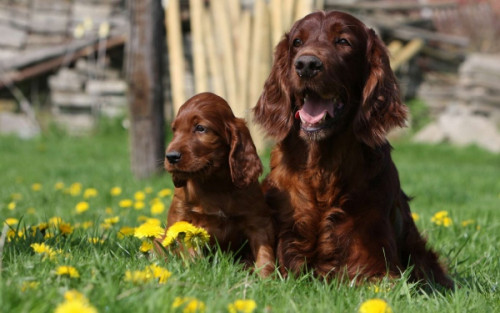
<point x="173" y="156"/>
<point x="308" y="66"/>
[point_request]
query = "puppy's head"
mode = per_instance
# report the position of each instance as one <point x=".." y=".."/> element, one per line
<point x="209" y="139"/>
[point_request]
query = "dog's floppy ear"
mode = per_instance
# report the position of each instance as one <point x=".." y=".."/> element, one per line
<point x="274" y="108"/>
<point x="244" y="162"/>
<point x="381" y="107"/>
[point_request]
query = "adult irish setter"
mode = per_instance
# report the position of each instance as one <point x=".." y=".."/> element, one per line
<point x="329" y="101"/>
<point x="215" y="170"/>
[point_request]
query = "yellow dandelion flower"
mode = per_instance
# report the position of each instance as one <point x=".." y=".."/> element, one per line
<point x="441" y="218"/>
<point x="125" y="231"/>
<point x="139" y="196"/>
<point x="125" y="203"/>
<point x="44" y="250"/>
<point x="112" y="220"/>
<point x="75" y="189"/>
<point x="75" y="306"/>
<point x="160" y="273"/>
<point x="242" y="306"/>
<point x="29" y="285"/>
<point x="65" y="228"/>
<point x="90" y="193"/>
<point x="11" y="221"/>
<point x="69" y="271"/>
<point x="467" y="223"/>
<point x="139" y="205"/>
<point x="36" y="187"/>
<point x="148" y="230"/>
<point x="375" y="306"/>
<point x="193" y="236"/>
<point x="11" y="205"/>
<point x="81" y="207"/>
<point x="196" y="238"/>
<point x="59" y="186"/>
<point x="115" y="191"/>
<point x="164" y="192"/>
<point x="55" y="221"/>
<point x="415" y="216"/>
<point x="96" y="240"/>
<point x="189" y="305"/>
<point x="146" y="246"/>
<point x="148" y="190"/>
<point x="157" y="208"/>
<point x="87" y="224"/>
<point x="138" y="277"/>
<point x="150" y="220"/>
<point x="74" y="295"/>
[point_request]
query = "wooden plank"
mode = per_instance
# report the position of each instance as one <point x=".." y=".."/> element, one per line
<point x="303" y="7"/>
<point x="32" y="64"/>
<point x="214" y="63"/>
<point x="260" y="34"/>
<point x="288" y="17"/>
<point x="199" y="63"/>
<point x="275" y="6"/>
<point x="175" y="53"/>
<point x="406" y="53"/>
<point x="223" y="31"/>
<point x="243" y="55"/>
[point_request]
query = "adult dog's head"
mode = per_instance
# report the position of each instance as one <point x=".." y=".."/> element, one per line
<point x="209" y="139"/>
<point x="331" y="73"/>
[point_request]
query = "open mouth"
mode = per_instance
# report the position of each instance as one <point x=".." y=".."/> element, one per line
<point x="318" y="113"/>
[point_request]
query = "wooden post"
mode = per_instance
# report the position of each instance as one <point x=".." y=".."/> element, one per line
<point x="144" y="74"/>
<point x="258" y="74"/>
<point x="288" y="17"/>
<point x="199" y="64"/>
<point x="243" y="55"/>
<point x="175" y="53"/>
<point x="303" y="8"/>
<point x="223" y="30"/>
<point x="214" y="63"/>
<point x="275" y="7"/>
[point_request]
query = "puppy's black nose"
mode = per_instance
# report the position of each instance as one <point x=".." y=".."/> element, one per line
<point x="308" y="66"/>
<point x="173" y="156"/>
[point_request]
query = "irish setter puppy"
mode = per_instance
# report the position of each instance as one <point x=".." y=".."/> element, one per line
<point x="215" y="170"/>
<point x="329" y="101"/>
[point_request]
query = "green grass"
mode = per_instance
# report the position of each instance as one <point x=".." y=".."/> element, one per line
<point x="464" y="182"/>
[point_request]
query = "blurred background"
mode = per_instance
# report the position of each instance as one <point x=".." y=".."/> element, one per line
<point x="70" y="63"/>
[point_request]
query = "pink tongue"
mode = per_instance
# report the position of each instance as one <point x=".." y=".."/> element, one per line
<point x="314" y="109"/>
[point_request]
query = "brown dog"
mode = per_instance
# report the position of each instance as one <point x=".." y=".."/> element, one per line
<point x="329" y="101"/>
<point x="215" y="169"/>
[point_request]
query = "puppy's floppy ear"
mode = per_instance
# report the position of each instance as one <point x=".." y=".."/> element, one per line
<point x="244" y="162"/>
<point x="178" y="182"/>
<point x="381" y="107"/>
<point x="274" y="108"/>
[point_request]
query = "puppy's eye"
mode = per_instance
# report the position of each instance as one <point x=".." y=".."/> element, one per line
<point x="342" y="41"/>
<point x="297" y="42"/>
<point x="200" y="128"/>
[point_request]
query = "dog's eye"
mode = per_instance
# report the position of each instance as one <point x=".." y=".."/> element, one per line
<point x="342" y="41"/>
<point x="200" y="128"/>
<point x="297" y="42"/>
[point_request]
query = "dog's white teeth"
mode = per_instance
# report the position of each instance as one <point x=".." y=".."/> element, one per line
<point x="324" y="118"/>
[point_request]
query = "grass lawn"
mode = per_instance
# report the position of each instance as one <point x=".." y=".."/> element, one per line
<point x="65" y="184"/>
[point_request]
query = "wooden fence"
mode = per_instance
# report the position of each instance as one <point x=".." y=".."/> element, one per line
<point x="232" y="48"/>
